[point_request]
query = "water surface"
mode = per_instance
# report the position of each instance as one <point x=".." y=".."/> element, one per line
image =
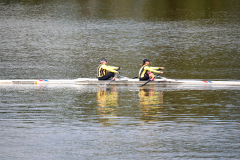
<point x="59" y="122"/>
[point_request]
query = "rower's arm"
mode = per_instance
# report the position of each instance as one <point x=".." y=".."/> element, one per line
<point x="153" y="69"/>
<point x="112" y="67"/>
<point x="157" y="67"/>
<point x="109" y="69"/>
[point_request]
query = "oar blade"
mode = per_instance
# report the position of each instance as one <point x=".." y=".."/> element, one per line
<point x="150" y="80"/>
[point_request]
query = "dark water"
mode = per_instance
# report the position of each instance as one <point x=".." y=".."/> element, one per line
<point x="59" y="39"/>
<point x="65" y="39"/>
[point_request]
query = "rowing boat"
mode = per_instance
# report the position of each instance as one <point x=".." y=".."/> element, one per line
<point x="121" y="81"/>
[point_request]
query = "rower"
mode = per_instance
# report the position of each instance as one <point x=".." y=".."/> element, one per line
<point x="103" y="68"/>
<point x="145" y="73"/>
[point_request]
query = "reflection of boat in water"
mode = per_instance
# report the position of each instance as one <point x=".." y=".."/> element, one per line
<point x="150" y="101"/>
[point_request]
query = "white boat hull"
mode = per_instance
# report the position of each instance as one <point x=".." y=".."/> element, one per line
<point x="94" y="81"/>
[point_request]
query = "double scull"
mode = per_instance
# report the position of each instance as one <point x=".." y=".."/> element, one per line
<point x="121" y="81"/>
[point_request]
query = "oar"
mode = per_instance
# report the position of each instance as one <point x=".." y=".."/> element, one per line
<point x="111" y="81"/>
<point x="150" y="80"/>
<point x="114" y="76"/>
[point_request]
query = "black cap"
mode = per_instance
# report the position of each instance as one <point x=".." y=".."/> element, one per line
<point x="146" y="60"/>
<point x="103" y="60"/>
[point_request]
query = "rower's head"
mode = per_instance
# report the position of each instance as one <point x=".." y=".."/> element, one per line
<point x="103" y="61"/>
<point x="146" y="62"/>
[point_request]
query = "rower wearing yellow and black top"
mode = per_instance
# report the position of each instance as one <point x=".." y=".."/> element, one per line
<point x="102" y="69"/>
<point x="145" y="73"/>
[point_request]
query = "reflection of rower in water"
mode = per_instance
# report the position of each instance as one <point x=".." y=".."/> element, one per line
<point x="103" y="68"/>
<point x="107" y="97"/>
<point x="150" y="101"/>
<point x="107" y="100"/>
